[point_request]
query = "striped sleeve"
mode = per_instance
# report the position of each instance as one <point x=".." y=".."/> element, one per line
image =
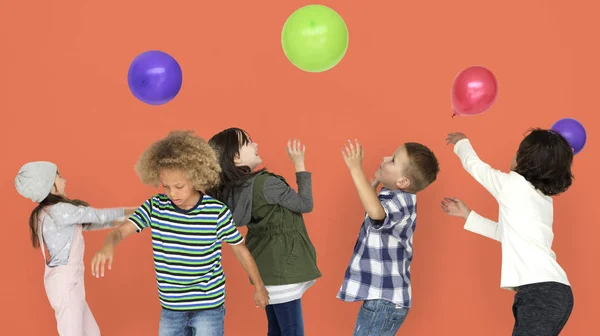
<point x="226" y="230"/>
<point x="141" y="217"/>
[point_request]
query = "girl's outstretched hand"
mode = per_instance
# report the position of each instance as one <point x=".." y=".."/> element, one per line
<point x="295" y="150"/>
<point x="453" y="138"/>
<point x="455" y="207"/>
<point x="104" y="256"/>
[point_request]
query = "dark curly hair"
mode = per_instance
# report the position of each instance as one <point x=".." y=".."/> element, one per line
<point x="544" y="159"/>
<point x="182" y="150"/>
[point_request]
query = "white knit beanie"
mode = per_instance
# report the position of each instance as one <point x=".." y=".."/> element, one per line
<point x="36" y="179"/>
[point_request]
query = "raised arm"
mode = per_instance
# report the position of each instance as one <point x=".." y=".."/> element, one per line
<point x="353" y="155"/>
<point x="489" y="178"/>
<point x="276" y="191"/>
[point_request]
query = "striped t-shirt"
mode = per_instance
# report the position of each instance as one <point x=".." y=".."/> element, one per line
<point x="187" y="250"/>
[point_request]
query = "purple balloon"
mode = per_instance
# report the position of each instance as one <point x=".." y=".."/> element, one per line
<point x="154" y="77"/>
<point x="573" y="131"/>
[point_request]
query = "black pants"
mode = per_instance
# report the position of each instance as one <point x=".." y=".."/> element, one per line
<point x="542" y="309"/>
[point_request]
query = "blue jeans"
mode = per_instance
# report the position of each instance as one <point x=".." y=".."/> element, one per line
<point x="379" y="318"/>
<point x="205" y="322"/>
<point x="285" y="319"/>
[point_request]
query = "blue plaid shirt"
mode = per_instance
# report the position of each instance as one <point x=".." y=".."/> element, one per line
<point x="380" y="266"/>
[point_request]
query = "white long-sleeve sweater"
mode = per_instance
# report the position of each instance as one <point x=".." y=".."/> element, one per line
<point x="524" y="224"/>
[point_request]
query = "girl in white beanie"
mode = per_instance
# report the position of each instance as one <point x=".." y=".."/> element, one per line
<point x="56" y="223"/>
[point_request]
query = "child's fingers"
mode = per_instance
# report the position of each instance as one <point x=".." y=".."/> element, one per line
<point x="344" y="152"/>
<point x="348" y="150"/>
<point x="95" y="266"/>
<point x="351" y="146"/>
<point x="110" y="260"/>
<point x="102" y="267"/>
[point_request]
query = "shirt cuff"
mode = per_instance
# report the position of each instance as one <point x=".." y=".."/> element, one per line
<point x="472" y="220"/>
<point x="237" y="243"/>
<point x="459" y="143"/>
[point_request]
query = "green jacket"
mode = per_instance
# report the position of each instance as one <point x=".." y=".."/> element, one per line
<point x="277" y="236"/>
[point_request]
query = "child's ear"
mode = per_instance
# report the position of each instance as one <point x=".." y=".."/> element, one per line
<point x="236" y="159"/>
<point x="403" y="183"/>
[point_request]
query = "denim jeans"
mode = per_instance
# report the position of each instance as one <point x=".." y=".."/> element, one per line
<point x="379" y="318"/>
<point x="205" y="322"/>
<point x="285" y="319"/>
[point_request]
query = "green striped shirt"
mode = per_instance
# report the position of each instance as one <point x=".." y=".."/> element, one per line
<point x="187" y="250"/>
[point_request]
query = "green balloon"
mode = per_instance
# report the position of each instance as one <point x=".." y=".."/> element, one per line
<point x="314" y="38"/>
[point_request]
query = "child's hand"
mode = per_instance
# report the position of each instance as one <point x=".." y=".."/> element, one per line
<point x="296" y="151"/>
<point x="261" y="297"/>
<point x="353" y="154"/>
<point x="105" y="254"/>
<point x="455" y="207"/>
<point x="453" y="138"/>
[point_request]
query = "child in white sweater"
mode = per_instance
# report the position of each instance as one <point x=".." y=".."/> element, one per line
<point x="541" y="169"/>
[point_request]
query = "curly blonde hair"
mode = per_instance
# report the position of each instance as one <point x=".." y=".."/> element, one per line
<point x="180" y="150"/>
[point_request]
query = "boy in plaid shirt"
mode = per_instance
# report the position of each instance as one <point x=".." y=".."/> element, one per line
<point x="379" y="271"/>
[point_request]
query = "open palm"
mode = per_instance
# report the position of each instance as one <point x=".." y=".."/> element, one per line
<point x="455" y="207"/>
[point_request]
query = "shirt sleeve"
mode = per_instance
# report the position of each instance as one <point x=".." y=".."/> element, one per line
<point x="64" y="214"/>
<point x="398" y="211"/>
<point x="141" y="218"/>
<point x="489" y="178"/>
<point x="226" y="230"/>
<point x="277" y="191"/>
<point x="483" y="226"/>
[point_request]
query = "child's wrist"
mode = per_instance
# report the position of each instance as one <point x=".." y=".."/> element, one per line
<point x="300" y="167"/>
<point x="356" y="169"/>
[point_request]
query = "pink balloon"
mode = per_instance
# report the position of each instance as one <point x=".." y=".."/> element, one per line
<point x="474" y="91"/>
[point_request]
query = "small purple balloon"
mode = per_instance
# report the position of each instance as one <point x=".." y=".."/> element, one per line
<point x="573" y="131"/>
<point x="154" y="77"/>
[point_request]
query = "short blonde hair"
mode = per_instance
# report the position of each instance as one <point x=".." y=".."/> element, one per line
<point x="180" y="150"/>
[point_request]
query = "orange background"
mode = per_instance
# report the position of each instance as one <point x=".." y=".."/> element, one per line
<point x="64" y="97"/>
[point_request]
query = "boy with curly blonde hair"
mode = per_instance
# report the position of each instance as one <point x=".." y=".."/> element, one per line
<point x="188" y="228"/>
